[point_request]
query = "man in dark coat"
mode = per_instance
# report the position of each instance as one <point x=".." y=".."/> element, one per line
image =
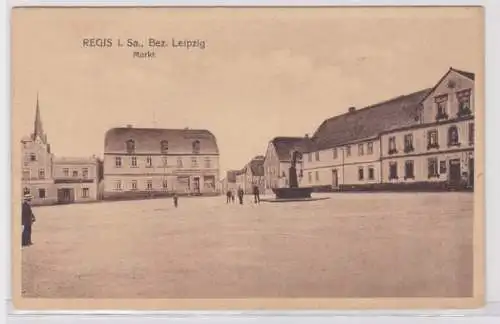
<point x="240" y="195"/>
<point x="28" y="218"/>
<point x="256" y="194"/>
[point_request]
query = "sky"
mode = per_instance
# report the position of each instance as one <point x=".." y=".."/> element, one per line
<point x="264" y="72"/>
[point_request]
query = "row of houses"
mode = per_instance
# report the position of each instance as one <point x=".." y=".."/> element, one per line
<point x="138" y="163"/>
<point x="423" y="140"/>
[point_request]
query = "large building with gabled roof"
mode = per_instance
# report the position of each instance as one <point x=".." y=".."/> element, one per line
<point x="145" y="162"/>
<point x="394" y="141"/>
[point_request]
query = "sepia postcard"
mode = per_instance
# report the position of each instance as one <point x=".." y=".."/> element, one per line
<point x="247" y="158"/>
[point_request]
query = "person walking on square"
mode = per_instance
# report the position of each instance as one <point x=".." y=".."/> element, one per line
<point x="240" y="195"/>
<point x="28" y="218"/>
<point x="256" y="194"/>
<point x="228" y="196"/>
<point x="233" y="196"/>
<point x="176" y="200"/>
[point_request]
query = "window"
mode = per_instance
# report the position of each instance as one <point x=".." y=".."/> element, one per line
<point x="42" y="193"/>
<point x="432" y="139"/>
<point x="369" y="148"/>
<point x="361" y="149"/>
<point x="26" y="191"/>
<point x="310" y="177"/>
<point x="149" y="184"/>
<point x="41" y="174"/>
<point x="316" y="155"/>
<point x="207" y="163"/>
<point x="164" y="184"/>
<point x="118" y="185"/>
<point x="432" y="165"/>
<point x="32" y="157"/>
<point x="75" y="174"/>
<point x="453" y="136"/>
<point x="361" y="173"/>
<point x="348" y="150"/>
<point x="196" y="147"/>
<point x="179" y="162"/>
<point x="316" y="175"/>
<point x="194" y="162"/>
<point x="26" y="174"/>
<point x="371" y="173"/>
<point x="464" y="103"/>
<point x="149" y="162"/>
<point x="393" y="170"/>
<point x="409" y="143"/>
<point x="392" y="145"/>
<point x="130" y="146"/>
<point x="85" y="192"/>
<point x="164" y="147"/>
<point x="133" y="185"/>
<point x="335" y="153"/>
<point x="309" y="157"/>
<point x="442" y="167"/>
<point x="133" y="161"/>
<point x="118" y="162"/>
<point x="66" y="172"/>
<point x="441" y="104"/>
<point x="409" y="170"/>
<point x="471" y="134"/>
<point x="85" y="173"/>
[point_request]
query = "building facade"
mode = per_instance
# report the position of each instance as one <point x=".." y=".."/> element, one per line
<point x="143" y="162"/>
<point x="53" y="180"/>
<point x="439" y="150"/>
<point x="254" y="175"/>
<point x="421" y="140"/>
<point x="277" y="161"/>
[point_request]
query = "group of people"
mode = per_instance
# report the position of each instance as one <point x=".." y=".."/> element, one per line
<point x="230" y="195"/>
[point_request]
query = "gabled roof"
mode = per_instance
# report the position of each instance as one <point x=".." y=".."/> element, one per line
<point x="284" y="145"/>
<point x="368" y="122"/>
<point x="469" y="75"/>
<point x="257" y="166"/>
<point x="466" y="74"/>
<point x="231" y="176"/>
<point x="148" y="140"/>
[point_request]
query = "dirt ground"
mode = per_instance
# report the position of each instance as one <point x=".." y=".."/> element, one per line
<point x="351" y="245"/>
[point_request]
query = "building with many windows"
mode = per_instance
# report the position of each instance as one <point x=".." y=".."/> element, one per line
<point x="420" y="140"/>
<point x="52" y="180"/>
<point x="143" y="162"/>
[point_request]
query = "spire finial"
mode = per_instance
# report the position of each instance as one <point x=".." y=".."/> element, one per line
<point x="38" y="130"/>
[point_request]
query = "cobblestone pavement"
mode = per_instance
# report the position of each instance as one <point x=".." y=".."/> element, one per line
<point x="351" y="245"/>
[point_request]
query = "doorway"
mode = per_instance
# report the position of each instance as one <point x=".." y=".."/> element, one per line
<point x="471" y="173"/>
<point x="454" y="173"/>
<point x="65" y="196"/>
<point x="196" y="184"/>
<point x="335" y="179"/>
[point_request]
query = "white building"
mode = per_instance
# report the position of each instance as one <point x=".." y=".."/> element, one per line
<point x="144" y="162"/>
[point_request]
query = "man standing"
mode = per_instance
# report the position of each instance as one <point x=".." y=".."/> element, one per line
<point x="28" y="218"/>
<point x="256" y="194"/>
<point x="240" y="195"/>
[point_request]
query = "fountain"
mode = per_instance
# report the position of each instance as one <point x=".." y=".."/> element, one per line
<point x="293" y="192"/>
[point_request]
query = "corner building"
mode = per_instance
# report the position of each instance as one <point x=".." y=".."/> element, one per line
<point x="150" y="161"/>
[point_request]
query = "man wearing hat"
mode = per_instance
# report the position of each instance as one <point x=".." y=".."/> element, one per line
<point x="28" y="219"/>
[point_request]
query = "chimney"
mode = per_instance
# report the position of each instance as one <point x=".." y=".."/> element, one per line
<point x="352" y="109"/>
<point x="129" y="126"/>
<point x="306" y="136"/>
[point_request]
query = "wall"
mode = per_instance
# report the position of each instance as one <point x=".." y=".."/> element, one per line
<point x="271" y="168"/>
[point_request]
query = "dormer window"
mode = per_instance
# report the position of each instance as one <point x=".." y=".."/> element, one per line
<point x="32" y="157"/>
<point x="164" y="147"/>
<point x="130" y="146"/>
<point x="441" y="107"/>
<point x="196" y="147"/>
<point x="464" y="101"/>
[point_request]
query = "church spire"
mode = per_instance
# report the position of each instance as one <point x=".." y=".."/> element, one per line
<point x="38" y="130"/>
